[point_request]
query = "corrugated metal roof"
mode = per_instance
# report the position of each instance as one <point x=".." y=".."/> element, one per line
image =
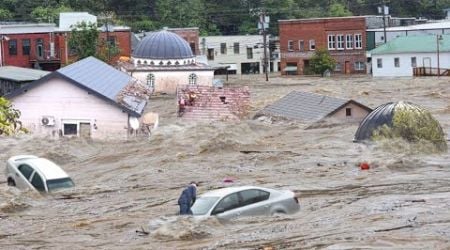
<point x="413" y="44"/>
<point x="19" y="74"/>
<point x="425" y="26"/>
<point x="303" y="106"/>
<point x="102" y="79"/>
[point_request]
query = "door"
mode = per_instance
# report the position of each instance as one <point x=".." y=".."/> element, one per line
<point x="347" y="67"/>
<point x="22" y="178"/>
<point x="85" y="130"/>
<point x="253" y="202"/>
<point x="226" y="208"/>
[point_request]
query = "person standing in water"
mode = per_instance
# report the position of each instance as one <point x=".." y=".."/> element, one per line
<point x="187" y="199"/>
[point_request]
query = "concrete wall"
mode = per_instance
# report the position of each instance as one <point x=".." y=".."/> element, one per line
<point x="428" y="60"/>
<point x="68" y="103"/>
<point x="229" y="57"/>
<point x="358" y="113"/>
<point x="167" y="81"/>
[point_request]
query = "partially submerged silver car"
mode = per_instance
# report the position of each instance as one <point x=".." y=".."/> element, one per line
<point x="32" y="172"/>
<point x="230" y="202"/>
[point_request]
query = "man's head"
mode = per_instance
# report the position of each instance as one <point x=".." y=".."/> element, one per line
<point x="195" y="184"/>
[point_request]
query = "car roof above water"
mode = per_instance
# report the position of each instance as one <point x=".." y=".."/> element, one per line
<point x="228" y="190"/>
<point x="46" y="167"/>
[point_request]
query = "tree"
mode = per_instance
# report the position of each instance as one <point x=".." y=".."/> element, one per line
<point x="9" y="119"/>
<point x="5" y="14"/>
<point x="337" y="10"/>
<point x="48" y="14"/>
<point x="83" y="39"/>
<point x="322" y="61"/>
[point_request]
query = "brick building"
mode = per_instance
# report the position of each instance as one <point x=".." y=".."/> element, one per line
<point x="191" y="35"/>
<point x="343" y="37"/>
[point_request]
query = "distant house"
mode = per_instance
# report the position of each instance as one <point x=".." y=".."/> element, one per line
<point x="88" y="99"/>
<point x="12" y="78"/>
<point x="404" y="55"/>
<point x="313" y="109"/>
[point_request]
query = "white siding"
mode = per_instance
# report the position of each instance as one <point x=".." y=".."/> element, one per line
<point x="65" y="101"/>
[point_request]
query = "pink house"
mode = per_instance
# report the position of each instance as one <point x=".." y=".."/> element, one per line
<point x="88" y="99"/>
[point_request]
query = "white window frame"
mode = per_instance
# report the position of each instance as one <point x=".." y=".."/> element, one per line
<point x="413" y="62"/>
<point x="397" y="62"/>
<point x="76" y="122"/>
<point x="290" y="45"/>
<point x="338" y="67"/>
<point x="349" y="41"/>
<point x="301" y="45"/>
<point x="193" y="79"/>
<point x="359" y="66"/>
<point x="151" y="80"/>
<point x="358" y="41"/>
<point x="312" y="44"/>
<point x="331" y="42"/>
<point x="379" y="63"/>
<point x="340" y="42"/>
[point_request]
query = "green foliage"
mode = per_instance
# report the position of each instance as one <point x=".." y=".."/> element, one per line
<point x="5" y="14"/>
<point x="337" y="10"/>
<point x="83" y="39"/>
<point x="322" y="61"/>
<point x="48" y="14"/>
<point x="9" y="119"/>
<point x="415" y="126"/>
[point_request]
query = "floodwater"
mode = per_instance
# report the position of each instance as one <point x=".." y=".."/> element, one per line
<point x="124" y="188"/>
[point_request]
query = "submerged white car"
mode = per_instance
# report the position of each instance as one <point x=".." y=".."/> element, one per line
<point x="32" y="172"/>
<point x="230" y="202"/>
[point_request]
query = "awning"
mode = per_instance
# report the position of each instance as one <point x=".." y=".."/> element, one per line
<point x="232" y="66"/>
<point x="290" y="68"/>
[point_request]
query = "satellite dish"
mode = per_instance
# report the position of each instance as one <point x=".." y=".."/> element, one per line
<point x="134" y="123"/>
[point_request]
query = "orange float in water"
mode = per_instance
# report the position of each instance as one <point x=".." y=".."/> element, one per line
<point x="364" y="166"/>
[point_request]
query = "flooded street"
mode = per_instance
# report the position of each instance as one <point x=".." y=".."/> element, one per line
<point x="402" y="202"/>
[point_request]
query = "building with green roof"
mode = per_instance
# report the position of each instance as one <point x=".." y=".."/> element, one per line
<point x="402" y="56"/>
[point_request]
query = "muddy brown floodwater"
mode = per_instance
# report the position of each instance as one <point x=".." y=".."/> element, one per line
<point x="402" y="202"/>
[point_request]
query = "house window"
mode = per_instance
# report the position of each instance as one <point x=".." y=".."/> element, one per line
<point x="340" y="42"/>
<point x="236" y="48"/>
<point x="349" y="41"/>
<point x="249" y="53"/>
<point x="301" y="45"/>
<point x="358" y="41"/>
<point x="210" y="55"/>
<point x="338" y="67"/>
<point x="290" y="45"/>
<point x="151" y="80"/>
<point x="348" y="112"/>
<point x="192" y="45"/>
<point x="359" y="66"/>
<point x="331" y="42"/>
<point x="70" y="129"/>
<point x="379" y="63"/>
<point x="223" y="48"/>
<point x="26" y="45"/>
<point x="12" y="46"/>
<point x="40" y="48"/>
<point x="397" y="62"/>
<point x="413" y="62"/>
<point x="192" y="79"/>
<point x="312" y="44"/>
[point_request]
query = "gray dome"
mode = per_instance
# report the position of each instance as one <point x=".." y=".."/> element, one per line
<point x="163" y="45"/>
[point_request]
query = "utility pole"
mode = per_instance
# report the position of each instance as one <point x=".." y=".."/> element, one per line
<point x="106" y="16"/>
<point x="263" y="24"/>
<point x="385" y="11"/>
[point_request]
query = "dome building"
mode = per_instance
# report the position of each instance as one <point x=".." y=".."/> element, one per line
<point x="164" y="60"/>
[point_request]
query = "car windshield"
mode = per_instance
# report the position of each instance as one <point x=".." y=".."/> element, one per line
<point x="59" y="183"/>
<point x="203" y="204"/>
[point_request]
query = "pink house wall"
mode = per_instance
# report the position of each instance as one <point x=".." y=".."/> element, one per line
<point x="358" y="113"/>
<point x="67" y="102"/>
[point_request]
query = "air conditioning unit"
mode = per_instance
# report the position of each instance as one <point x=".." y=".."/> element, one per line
<point x="48" y="121"/>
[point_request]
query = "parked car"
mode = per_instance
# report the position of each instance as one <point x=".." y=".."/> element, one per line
<point x="230" y="202"/>
<point x="32" y="172"/>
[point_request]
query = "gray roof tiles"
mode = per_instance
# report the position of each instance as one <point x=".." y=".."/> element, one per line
<point x="303" y="106"/>
<point x="19" y="74"/>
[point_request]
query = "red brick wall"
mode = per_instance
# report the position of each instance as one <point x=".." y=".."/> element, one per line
<point x="318" y="30"/>
<point x="191" y="35"/>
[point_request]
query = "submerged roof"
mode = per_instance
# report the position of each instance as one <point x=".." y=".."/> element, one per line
<point x="414" y="44"/>
<point x="306" y="107"/>
<point x="163" y="45"/>
<point x="102" y="79"/>
<point x="19" y="74"/>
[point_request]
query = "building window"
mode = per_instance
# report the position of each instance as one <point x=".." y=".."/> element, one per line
<point x="397" y="62"/>
<point x="290" y="45"/>
<point x="312" y="45"/>
<point x="111" y="41"/>
<point x="151" y="80"/>
<point x="348" y="112"/>
<point x="40" y="48"/>
<point x="26" y="45"/>
<point x="301" y="45"/>
<point x="340" y="42"/>
<point x="12" y="46"/>
<point x="358" y="41"/>
<point x="210" y="55"/>
<point x="413" y="62"/>
<point x="331" y="42"/>
<point x="70" y="129"/>
<point x="192" y="45"/>
<point x="359" y="66"/>
<point x="223" y="48"/>
<point x="236" y="48"/>
<point x="349" y="41"/>
<point x="338" y="67"/>
<point x="249" y="53"/>
<point x="192" y="79"/>
<point x="379" y="63"/>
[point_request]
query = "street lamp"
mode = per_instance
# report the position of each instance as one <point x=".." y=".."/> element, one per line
<point x="438" y="38"/>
